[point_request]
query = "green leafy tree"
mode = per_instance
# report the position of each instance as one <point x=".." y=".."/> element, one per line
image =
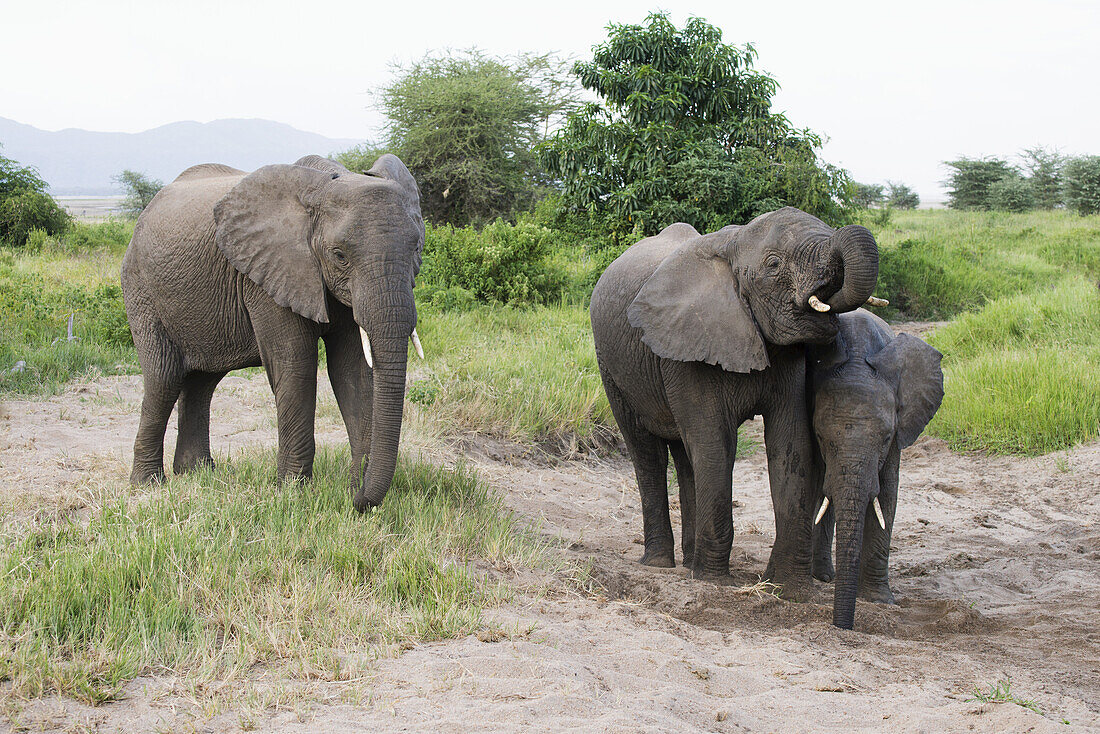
<point x="900" y="196"/>
<point x="1082" y="184"/>
<point x="25" y="204"/>
<point x="866" y="196"/>
<point x="360" y="158"/>
<point x="139" y="189"/>
<point x="1044" y="168"/>
<point x="1012" y="194"/>
<point x="970" y="181"/>
<point x="466" y="124"/>
<point x="684" y="132"/>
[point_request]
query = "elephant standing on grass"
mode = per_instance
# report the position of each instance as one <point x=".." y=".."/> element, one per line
<point x="696" y="334"/>
<point x="871" y="395"/>
<point x="229" y="270"/>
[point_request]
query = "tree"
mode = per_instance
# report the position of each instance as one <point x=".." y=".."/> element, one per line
<point x="901" y="196"/>
<point x="1011" y="194"/>
<point x="1045" y="175"/>
<point x="466" y="125"/>
<point x="140" y="190"/>
<point x="684" y="132"/>
<point x="866" y="196"/>
<point x="25" y="204"/>
<point x="971" y="178"/>
<point x="1082" y="184"/>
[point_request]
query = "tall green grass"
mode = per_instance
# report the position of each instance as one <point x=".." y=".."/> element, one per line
<point x="1023" y="373"/>
<point x="215" y="573"/>
<point x="938" y="264"/>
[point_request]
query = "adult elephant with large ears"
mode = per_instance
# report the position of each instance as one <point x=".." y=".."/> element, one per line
<point x="229" y="270"/>
<point x="696" y="334"/>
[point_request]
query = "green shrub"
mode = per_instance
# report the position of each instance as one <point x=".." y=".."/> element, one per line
<point x="1012" y="194"/>
<point x="901" y="196"/>
<point x="24" y="212"/>
<point x="503" y="263"/>
<point x="1082" y="184"/>
<point x="971" y="179"/>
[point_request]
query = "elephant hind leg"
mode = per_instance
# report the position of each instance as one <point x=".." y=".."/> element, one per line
<point x="685" y="477"/>
<point x="649" y="453"/>
<point x="193" y="418"/>
<point x="163" y="372"/>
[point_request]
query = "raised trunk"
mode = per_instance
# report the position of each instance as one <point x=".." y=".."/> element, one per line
<point x="389" y="326"/>
<point x="857" y="250"/>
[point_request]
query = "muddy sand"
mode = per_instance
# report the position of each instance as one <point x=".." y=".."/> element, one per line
<point x="996" y="569"/>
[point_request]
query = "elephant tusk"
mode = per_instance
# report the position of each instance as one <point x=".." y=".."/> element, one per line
<point x="366" y="347"/>
<point x="878" y="513"/>
<point x="817" y="305"/>
<point x="416" y="344"/>
<point x="821" y="512"/>
<point x="877" y="302"/>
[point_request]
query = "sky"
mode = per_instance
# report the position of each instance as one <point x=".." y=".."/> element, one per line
<point x="896" y="88"/>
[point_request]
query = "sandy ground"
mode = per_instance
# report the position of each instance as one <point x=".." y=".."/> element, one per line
<point x="91" y="208"/>
<point x="995" y="569"/>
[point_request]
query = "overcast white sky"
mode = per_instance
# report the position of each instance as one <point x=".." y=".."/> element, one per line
<point x="896" y="87"/>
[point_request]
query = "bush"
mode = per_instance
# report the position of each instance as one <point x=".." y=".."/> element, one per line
<point x="503" y="263"/>
<point x="901" y="196"/>
<point x="1082" y="184"/>
<point x="1012" y="194"/>
<point x="866" y="196"/>
<point x="27" y="211"/>
<point x="971" y="179"/>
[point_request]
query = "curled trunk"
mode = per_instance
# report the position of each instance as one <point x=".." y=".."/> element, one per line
<point x="857" y="250"/>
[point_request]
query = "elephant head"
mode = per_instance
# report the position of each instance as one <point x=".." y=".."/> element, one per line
<point x="312" y="230"/>
<point x="872" y="397"/>
<point x="780" y="279"/>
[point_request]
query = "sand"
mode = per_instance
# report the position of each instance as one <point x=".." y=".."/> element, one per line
<point x="995" y="568"/>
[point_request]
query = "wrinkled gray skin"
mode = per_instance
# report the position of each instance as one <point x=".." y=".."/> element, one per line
<point x="696" y="334"/>
<point x="229" y="270"/>
<point x="871" y="395"/>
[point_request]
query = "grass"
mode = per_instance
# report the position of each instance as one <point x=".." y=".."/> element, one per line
<point x="1001" y="692"/>
<point x="41" y="286"/>
<point x="213" y="574"/>
<point x="527" y="375"/>
<point x="1023" y="373"/>
<point x="938" y="264"/>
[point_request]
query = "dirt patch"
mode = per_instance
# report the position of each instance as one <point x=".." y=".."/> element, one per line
<point x="994" y="566"/>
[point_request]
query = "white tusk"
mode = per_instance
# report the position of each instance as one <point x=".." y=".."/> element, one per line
<point x="821" y="512"/>
<point x="817" y="305"/>
<point x="878" y="302"/>
<point x="416" y="343"/>
<point x="366" y="347"/>
<point x="878" y="513"/>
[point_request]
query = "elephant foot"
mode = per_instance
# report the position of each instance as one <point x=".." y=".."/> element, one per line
<point x="192" y="463"/>
<point x="689" y="561"/>
<point x="823" y="570"/>
<point x="658" y="558"/>
<point x="878" y="593"/>
<point x="140" y="476"/>
<point x="796" y="587"/>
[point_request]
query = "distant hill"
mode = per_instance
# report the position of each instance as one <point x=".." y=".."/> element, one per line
<point x="82" y="162"/>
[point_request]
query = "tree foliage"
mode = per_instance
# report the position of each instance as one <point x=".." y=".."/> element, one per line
<point x="1044" y="169"/>
<point x="684" y="132"/>
<point x="139" y="189"/>
<point x="866" y="196"/>
<point x="971" y="179"/>
<point x="25" y="204"/>
<point x="1082" y="184"/>
<point x="900" y="196"/>
<point x="466" y="124"/>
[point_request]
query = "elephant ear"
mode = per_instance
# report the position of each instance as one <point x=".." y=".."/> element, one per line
<point x="263" y="227"/>
<point x="913" y="367"/>
<point x="690" y="310"/>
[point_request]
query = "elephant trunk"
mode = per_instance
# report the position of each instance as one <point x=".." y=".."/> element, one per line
<point x="389" y="326"/>
<point x="851" y="489"/>
<point x="856" y="248"/>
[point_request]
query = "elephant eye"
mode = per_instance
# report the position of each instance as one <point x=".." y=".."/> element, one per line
<point x="772" y="262"/>
<point x="340" y="257"/>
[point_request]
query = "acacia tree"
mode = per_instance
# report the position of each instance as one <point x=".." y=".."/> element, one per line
<point x="1082" y="188"/>
<point x="901" y="196"/>
<point x="971" y="182"/>
<point x="684" y="132"/>
<point x="140" y="190"/>
<point x="466" y="124"/>
<point x="1045" y="175"/>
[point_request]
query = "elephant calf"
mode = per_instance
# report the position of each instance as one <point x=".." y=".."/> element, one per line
<point x="871" y="394"/>
<point x="229" y="269"/>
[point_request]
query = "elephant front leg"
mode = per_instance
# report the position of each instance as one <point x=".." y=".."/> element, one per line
<point x="712" y="467"/>
<point x="787" y="440"/>
<point x="823" y="544"/>
<point x="353" y="386"/>
<point x="874" y="575"/>
<point x="685" y="477"/>
<point x="290" y="359"/>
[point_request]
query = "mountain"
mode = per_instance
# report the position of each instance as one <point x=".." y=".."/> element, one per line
<point x="82" y="162"/>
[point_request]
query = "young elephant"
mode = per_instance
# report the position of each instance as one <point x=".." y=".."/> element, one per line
<point x="871" y="394"/>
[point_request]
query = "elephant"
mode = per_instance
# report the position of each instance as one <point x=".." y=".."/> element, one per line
<point x="228" y="269"/>
<point x="694" y="335"/>
<point x="871" y="395"/>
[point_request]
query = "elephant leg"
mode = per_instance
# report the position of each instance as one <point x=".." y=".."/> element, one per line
<point x="712" y="470"/>
<point x="193" y="419"/>
<point x="162" y="374"/>
<point x="823" y="546"/>
<point x="685" y="477"/>
<point x="353" y="386"/>
<point x="649" y="455"/>
<point x="874" y="581"/>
